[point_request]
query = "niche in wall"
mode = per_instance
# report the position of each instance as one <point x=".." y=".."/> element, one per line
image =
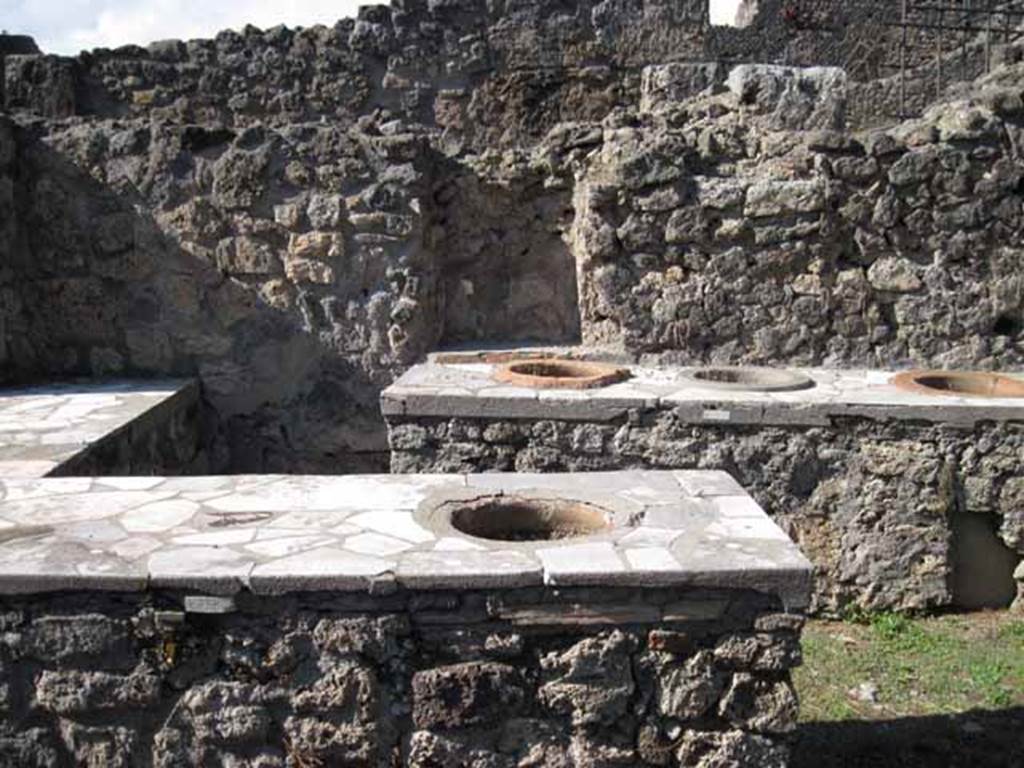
<point x="507" y="273"/>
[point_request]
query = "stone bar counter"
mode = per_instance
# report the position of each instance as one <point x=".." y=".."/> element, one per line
<point x="84" y="428"/>
<point x="627" y="618"/>
<point x="904" y="496"/>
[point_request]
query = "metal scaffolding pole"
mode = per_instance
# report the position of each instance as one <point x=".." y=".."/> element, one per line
<point x="988" y="37"/>
<point x="903" y="62"/>
<point x="963" y="41"/>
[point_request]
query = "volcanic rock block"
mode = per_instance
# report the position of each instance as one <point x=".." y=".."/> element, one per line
<point x="663" y="85"/>
<point x="459" y="695"/>
<point x="792" y="98"/>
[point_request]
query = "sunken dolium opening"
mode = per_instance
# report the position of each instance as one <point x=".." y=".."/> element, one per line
<point x="509" y="518"/>
<point x="967" y="383"/>
<point x="750" y="379"/>
<point x="560" y="373"/>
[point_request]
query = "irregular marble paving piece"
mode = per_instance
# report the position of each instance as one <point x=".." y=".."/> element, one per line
<point x="746" y="528"/>
<point x="737" y="506"/>
<point x="161" y="516"/>
<point x="221" y="538"/>
<point x="401" y="524"/>
<point x="282" y="547"/>
<point x="306" y="520"/>
<point x="86" y="506"/>
<point x="452" y="544"/>
<point x="136" y="546"/>
<point x="651" y="559"/>
<point x="648" y="536"/>
<point x="598" y="557"/>
<point x="329" y="563"/>
<point x="96" y="531"/>
<point x="130" y="483"/>
<point x="48" y="487"/>
<point x="198" y="563"/>
<point x="376" y="544"/>
<point x="467" y="568"/>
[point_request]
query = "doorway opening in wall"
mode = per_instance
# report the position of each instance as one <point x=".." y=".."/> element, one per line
<point x="983" y="565"/>
<point x="732" y="13"/>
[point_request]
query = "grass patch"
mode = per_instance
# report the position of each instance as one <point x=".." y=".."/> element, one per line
<point x="883" y="666"/>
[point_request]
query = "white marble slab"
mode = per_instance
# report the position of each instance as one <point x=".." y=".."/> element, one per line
<point x="470" y="391"/>
<point x="680" y="528"/>
<point x="43" y="427"/>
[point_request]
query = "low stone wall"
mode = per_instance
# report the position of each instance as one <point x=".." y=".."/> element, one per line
<point x="165" y="440"/>
<point x="544" y="677"/>
<point x="883" y="498"/>
<point x="91" y="428"/>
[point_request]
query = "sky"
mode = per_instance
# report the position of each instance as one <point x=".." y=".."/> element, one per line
<point x="70" y="26"/>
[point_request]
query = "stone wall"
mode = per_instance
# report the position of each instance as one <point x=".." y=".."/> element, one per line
<point x="710" y="233"/>
<point x="492" y="73"/>
<point x="554" y="678"/>
<point x="8" y="241"/>
<point x="294" y="216"/>
<point x="283" y="268"/>
<point x="878" y="506"/>
<point x="484" y="73"/>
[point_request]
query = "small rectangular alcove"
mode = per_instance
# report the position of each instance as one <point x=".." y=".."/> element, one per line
<point x="507" y="272"/>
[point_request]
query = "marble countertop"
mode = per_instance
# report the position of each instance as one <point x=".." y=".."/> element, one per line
<point x="469" y="390"/>
<point x="275" y="534"/>
<point x="44" y="426"/>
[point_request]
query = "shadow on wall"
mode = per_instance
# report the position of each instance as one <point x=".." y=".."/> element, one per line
<point x="507" y="272"/>
<point x="979" y="739"/>
<point x="107" y="286"/>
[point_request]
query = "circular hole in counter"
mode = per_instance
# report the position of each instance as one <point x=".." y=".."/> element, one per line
<point x="560" y="373"/>
<point x="751" y="379"/>
<point x="510" y="518"/>
<point x="966" y="383"/>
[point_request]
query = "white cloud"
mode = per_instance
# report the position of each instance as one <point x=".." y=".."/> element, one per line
<point x="69" y="26"/>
